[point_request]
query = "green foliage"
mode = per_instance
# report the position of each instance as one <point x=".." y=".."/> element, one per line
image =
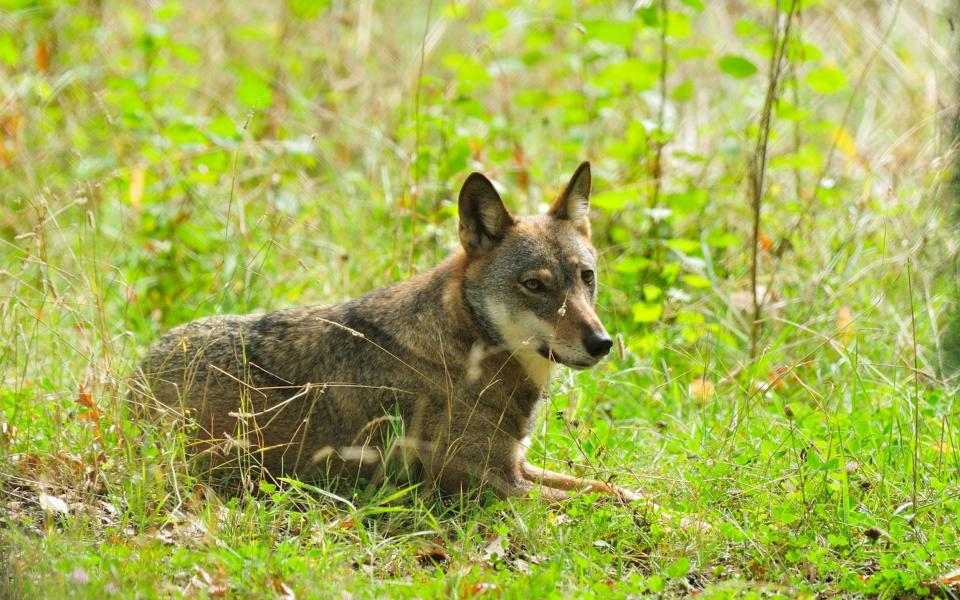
<point x="736" y="66"/>
<point x="827" y="80"/>
<point x="169" y="160"/>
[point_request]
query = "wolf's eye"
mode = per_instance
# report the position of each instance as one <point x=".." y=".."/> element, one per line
<point x="587" y="277"/>
<point x="534" y="285"/>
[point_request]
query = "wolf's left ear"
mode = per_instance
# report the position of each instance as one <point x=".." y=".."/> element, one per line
<point x="574" y="203"/>
<point x="484" y="220"/>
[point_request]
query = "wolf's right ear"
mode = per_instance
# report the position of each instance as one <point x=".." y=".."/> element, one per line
<point x="484" y="219"/>
<point x="574" y="203"/>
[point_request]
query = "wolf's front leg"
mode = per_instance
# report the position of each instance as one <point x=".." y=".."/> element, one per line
<point x="504" y="480"/>
<point x="561" y="481"/>
<point x="474" y="461"/>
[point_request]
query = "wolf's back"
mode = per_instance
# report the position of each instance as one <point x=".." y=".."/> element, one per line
<point x="180" y="360"/>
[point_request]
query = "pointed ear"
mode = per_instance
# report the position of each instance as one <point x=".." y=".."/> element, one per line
<point x="484" y="219"/>
<point x="574" y="203"/>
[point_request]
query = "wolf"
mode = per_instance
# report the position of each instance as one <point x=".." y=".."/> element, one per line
<point x="442" y="373"/>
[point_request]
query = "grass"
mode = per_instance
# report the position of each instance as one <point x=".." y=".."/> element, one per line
<point x="165" y="162"/>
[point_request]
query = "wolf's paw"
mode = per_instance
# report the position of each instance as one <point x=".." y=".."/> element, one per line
<point x="628" y="496"/>
<point x="618" y="494"/>
<point x="670" y="519"/>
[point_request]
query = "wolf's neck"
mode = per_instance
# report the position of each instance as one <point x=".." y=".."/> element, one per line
<point x="429" y="316"/>
<point x="538" y="369"/>
<point x="425" y="313"/>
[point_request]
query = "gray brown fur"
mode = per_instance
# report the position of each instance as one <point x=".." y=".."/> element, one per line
<point x="456" y="359"/>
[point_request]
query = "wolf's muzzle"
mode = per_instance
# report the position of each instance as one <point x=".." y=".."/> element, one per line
<point x="597" y="343"/>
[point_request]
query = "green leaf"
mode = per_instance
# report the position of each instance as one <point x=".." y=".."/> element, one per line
<point x="788" y="112"/>
<point x="689" y="317"/>
<point x="679" y="568"/>
<point x="254" y="92"/>
<point x="827" y="80"/>
<point x="641" y="75"/>
<point x="687" y="202"/>
<point x="722" y="239"/>
<point x="307" y="9"/>
<point x="696" y="281"/>
<point x="830" y="464"/>
<point x="223" y="126"/>
<point x="467" y="68"/>
<point x="670" y="271"/>
<point x="786" y="514"/>
<point x="692" y="52"/>
<point x="495" y="21"/>
<point x="454" y="11"/>
<point x="798" y="51"/>
<point x="747" y="28"/>
<point x="683" y="92"/>
<point x="631" y="264"/>
<point x="651" y="293"/>
<point x="8" y="50"/>
<point x="646" y="313"/>
<point x="737" y="66"/>
<point x="612" y="200"/>
<point x="697" y="5"/>
<point x="534" y="98"/>
<point x="807" y="157"/>
<point x="194" y="237"/>
<point x="683" y="245"/>
<point x="679" y="26"/>
<point x="617" y="33"/>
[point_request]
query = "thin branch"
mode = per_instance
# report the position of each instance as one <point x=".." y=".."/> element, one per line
<point x="758" y="163"/>
<point x="419" y="138"/>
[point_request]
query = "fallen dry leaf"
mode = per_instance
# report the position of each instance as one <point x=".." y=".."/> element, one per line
<point x="432" y="553"/>
<point x="284" y="591"/>
<point x="771" y="300"/>
<point x="42" y="55"/>
<point x="79" y="576"/>
<point x="780" y="376"/>
<point x="952" y="578"/>
<point x="92" y="414"/>
<point x="138" y="181"/>
<point x="523" y="174"/>
<point x="53" y="505"/>
<point x="845" y="143"/>
<point x="742" y="300"/>
<point x="470" y="590"/>
<point x="845" y="325"/>
<point x="765" y="242"/>
<point x="701" y="388"/>
<point x="84" y="399"/>
<point x="496" y="549"/>
<point x="215" y="587"/>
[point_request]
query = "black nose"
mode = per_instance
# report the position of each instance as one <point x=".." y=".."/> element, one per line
<point x="597" y="343"/>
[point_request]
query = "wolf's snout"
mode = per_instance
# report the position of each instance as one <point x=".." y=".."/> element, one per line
<point x="597" y="343"/>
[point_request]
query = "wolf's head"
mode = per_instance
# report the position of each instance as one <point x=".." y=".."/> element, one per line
<point x="532" y="280"/>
